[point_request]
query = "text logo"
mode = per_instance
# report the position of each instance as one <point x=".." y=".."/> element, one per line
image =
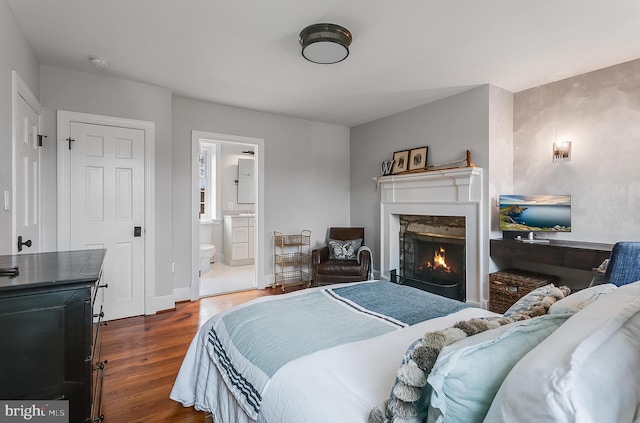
<point x="55" y="411"/>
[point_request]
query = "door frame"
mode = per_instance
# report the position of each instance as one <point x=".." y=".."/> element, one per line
<point x="64" y="120"/>
<point x="258" y="247"/>
<point x="20" y="89"/>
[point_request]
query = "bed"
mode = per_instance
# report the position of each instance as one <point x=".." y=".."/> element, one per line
<point x="333" y="354"/>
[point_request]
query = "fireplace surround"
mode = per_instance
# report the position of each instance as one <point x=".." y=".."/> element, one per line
<point x="452" y="192"/>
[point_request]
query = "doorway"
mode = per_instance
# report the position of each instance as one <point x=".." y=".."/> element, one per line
<point x="222" y="216"/>
<point x="25" y="237"/>
<point x="105" y="175"/>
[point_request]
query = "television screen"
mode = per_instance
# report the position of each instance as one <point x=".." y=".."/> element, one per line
<point x="535" y="213"/>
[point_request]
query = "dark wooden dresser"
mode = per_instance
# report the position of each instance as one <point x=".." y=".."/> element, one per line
<point x="50" y="318"/>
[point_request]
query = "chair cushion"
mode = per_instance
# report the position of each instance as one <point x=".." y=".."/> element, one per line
<point x="344" y="250"/>
<point x="340" y="267"/>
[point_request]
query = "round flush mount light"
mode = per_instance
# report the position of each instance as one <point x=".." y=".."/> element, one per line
<point x="99" y="62"/>
<point x="325" y="43"/>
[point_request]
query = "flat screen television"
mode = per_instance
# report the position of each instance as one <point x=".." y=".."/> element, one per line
<point x="535" y="213"/>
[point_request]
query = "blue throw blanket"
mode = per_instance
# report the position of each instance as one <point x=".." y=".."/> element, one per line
<point x="250" y="343"/>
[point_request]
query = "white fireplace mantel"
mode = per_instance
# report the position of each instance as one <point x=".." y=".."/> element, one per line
<point x="451" y="192"/>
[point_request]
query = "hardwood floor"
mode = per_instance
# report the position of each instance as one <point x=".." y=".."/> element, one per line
<point x="145" y="353"/>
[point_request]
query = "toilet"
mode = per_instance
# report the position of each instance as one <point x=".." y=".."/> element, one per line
<point x="207" y="249"/>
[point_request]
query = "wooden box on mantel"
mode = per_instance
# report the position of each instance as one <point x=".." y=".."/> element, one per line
<point x="508" y="286"/>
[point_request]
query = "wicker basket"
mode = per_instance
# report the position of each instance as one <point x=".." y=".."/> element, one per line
<point x="508" y="286"/>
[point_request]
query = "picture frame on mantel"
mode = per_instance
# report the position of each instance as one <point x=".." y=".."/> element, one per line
<point x="400" y="161"/>
<point x="418" y="158"/>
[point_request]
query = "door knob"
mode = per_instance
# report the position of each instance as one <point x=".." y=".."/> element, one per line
<point x="20" y="243"/>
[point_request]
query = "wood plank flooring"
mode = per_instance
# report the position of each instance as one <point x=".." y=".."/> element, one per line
<point x="145" y="353"/>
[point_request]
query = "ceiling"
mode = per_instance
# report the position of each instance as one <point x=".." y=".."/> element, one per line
<point x="245" y="53"/>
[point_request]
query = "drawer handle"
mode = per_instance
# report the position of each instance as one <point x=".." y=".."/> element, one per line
<point x="100" y="365"/>
<point x="101" y="315"/>
<point x="106" y="285"/>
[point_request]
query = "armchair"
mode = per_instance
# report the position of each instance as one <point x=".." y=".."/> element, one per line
<point x="328" y="268"/>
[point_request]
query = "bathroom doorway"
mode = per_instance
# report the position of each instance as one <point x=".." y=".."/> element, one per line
<point x="227" y="189"/>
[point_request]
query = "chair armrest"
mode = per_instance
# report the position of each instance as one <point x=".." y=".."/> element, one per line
<point x="319" y="255"/>
<point x="365" y="257"/>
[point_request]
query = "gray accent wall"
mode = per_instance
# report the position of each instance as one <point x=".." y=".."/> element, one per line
<point x="449" y="127"/>
<point x="600" y="113"/>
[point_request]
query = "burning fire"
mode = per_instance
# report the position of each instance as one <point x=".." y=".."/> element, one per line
<point x="439" y="262"/>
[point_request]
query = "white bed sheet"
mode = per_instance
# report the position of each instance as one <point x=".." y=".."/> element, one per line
<point x="340" y="384"/>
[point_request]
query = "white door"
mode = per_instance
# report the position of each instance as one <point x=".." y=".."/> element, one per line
<point x="107" y="209"/>
<point x="27" y="179"/>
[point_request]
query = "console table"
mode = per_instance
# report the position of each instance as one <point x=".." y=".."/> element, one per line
<point x="569" y="254"/>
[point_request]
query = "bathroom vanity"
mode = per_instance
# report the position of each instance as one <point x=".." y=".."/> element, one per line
<point x="238" y="239"/>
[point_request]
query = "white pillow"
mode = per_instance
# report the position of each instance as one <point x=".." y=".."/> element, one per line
<point x="586" y="371"/>
<point x="578" y="300"/>
<point x="467" y="374"/>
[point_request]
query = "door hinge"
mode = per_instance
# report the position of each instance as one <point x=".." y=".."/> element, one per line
<point x="40" y="137"/>
<point x="70" y="141"/>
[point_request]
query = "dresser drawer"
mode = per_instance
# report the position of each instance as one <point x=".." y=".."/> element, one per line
<point x="239" y="222"/>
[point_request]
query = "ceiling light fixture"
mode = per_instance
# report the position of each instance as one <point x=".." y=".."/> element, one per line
<point x="99" y="62"/>
<point x="325" y="43"/>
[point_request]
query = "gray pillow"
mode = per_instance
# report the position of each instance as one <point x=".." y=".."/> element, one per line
<point x="525" y="303"/>
<point x="344" y="250"/>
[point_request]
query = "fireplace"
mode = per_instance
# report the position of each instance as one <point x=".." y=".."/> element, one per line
<point x="443" y="197"/>
<point x="433" y="254"/>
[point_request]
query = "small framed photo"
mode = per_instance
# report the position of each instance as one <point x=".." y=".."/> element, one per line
<point x="418" y="158"/>
<point x="400" y="161"/>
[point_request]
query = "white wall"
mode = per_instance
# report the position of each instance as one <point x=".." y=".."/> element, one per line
<point x="83" y="92"/>
<point x="15" y="54"/>
<point x="306" y="174"/>
<point x="449" y="127"/>
<point x="600" y="113"/>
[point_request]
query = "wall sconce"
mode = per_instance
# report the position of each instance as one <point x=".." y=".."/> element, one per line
<point x="561" y="151"/>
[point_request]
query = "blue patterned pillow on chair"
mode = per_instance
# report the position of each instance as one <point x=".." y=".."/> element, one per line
<point x="344" y="250"/>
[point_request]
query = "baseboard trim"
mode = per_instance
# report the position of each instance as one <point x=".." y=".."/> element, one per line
<point x="166" y="302"/>
<point x="182" y="294"/>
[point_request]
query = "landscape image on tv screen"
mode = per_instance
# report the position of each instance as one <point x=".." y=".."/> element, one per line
<point x="535" y="213"/>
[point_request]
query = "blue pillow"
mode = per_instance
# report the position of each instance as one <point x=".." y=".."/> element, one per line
<point x="468" y="374"/>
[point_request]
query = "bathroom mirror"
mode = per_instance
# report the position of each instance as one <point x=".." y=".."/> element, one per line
<point x="246" y="192"/>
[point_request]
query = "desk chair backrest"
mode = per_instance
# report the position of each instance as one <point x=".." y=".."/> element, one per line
<point x="624" y="263"/>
